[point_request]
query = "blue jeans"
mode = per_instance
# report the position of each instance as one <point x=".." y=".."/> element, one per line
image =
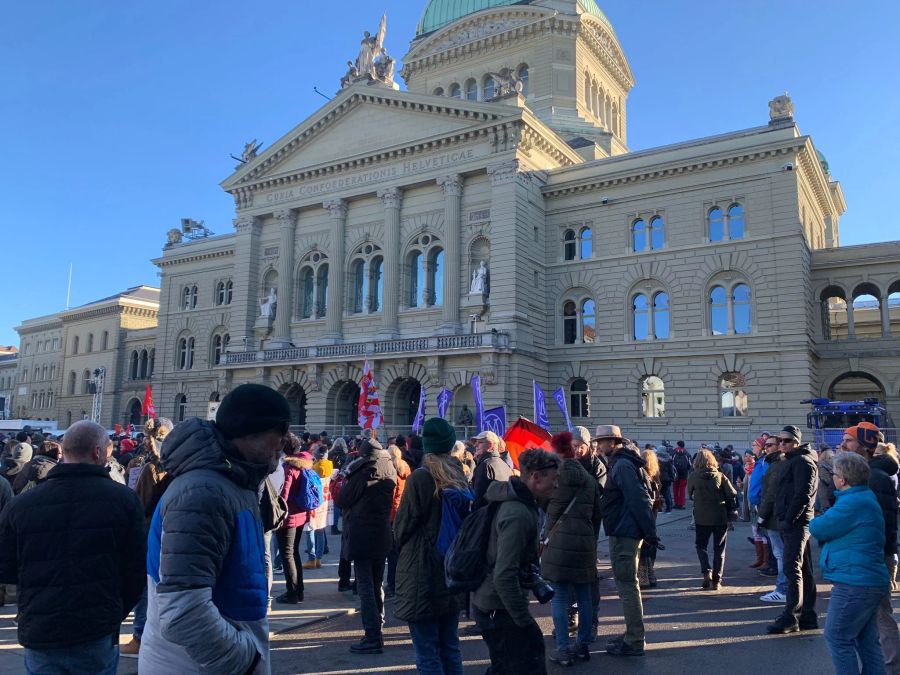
<point x="559" y="607"/>
<point x="315" y="544"/>
<point x="667" y="495"/>
<point x="140" y="616"/>
<point x="778" y="551"/>
<point x="100" y="657"/>
<point x="851" y="629"/>
<point x="436" y="643"/>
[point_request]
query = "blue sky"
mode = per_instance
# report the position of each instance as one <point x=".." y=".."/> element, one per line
<point x="118" y="117"/>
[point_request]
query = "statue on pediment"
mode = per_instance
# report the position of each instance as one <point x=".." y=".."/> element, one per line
<point x="372" y="64"/>
<point x="173" y="237"/>
<point x="781" y="108"/>
<point x="506" y="83"/>
<point x="250" y="150"/>
<point x="268" y="304"/>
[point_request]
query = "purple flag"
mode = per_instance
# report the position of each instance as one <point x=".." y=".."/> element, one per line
<point x="540" y="408"/>
<point x="560" y="396"/>
<point x="479" y="404"/>
<point x="420" y="413"/>
<point x="495" y="420"/>
<point x="444" y="397"/>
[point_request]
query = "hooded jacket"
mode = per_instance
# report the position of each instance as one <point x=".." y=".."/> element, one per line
<point x="511" y="547"/>
<point x="489" y="468"/>
<point x="207" y="586"/>
<point x="36" y="471"/>
<point x="570" y="556"/>
<point x="713" y="496"/>
<point x="795" y="494"/>
<point x="627" y="506"/>
<point x="294" y="485"/>
<point x="365" y="502"/>
<point x="883" y="482"/>
<point x="852" y="532"/>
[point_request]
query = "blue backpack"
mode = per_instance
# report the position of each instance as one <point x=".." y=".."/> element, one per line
<point x="309" y="495"/>
<point x="455" y="506"/>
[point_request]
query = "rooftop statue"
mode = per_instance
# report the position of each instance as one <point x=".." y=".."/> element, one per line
<point x="373" y="64"/>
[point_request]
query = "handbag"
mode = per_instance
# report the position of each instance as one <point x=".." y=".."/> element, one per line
<point x="273" y="509"/>
<point x="545" y="540"/>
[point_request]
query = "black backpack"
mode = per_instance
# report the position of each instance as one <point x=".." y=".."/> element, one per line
<point x="682" y="464"/>
<point x="465" y="564"/>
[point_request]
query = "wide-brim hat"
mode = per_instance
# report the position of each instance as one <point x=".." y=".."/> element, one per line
<point x="607" y="431"/>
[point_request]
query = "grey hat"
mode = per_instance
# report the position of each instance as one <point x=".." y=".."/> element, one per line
<point x="608" y="431"/>
<point x="581" y="435"/>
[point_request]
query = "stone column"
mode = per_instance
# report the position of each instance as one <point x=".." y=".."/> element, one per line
<point x="851" y="325"/>
<point x="287" y="225"/>
<point x="334" y="312"/>
<point x="885" y="317"/>
<point x="245" y="306"/>
<point x="453" y="187"/>
<point x="391" y="198"/>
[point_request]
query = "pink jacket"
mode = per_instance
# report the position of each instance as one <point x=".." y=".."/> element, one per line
<point x="293" y="468"/>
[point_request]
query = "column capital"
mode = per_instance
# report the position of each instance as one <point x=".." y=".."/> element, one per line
<point x="391" y="197"/>
<point x="287" y="218"/>
<point x="452" y="185"/>
<point x="337" y="207"/>
<point x="503" y="173"/>
<point x="246" y="224"/>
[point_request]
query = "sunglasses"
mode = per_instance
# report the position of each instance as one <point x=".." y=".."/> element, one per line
<point x="785" y="440"/>
<point x="771" y="445"/>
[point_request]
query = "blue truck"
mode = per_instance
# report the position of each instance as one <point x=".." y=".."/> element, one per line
<point x="828" y="418"/>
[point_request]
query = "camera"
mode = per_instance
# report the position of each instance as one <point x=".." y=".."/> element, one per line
<point x="531" y="579"/>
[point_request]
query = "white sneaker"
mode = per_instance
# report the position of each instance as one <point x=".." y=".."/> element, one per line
<point x="773" y="596"/>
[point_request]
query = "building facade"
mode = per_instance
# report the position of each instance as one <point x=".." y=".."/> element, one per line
<point x="490" y="220"/>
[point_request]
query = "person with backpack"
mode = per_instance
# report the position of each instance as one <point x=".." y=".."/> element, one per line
<point x="302" y="491"/>
<point x="666" y="478"/>
<point x="435" y="501"/>
<point x="366" y="499"/>
<point x="681" y="462"/>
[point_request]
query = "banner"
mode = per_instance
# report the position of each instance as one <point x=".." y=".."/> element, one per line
<point x="522" y="435"/>
<point x="444" y="397"/>
<point x="479" y="404"/>
<point x="540" y="407"/>
<point x="369" y="407"/>
<point x="419" y="422"/>
<point x="495" y="420"/>
<point x="560" y="397"/>
<point x="147" y="406"/>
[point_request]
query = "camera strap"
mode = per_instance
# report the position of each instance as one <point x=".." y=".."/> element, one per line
<point x="545" y="540"/>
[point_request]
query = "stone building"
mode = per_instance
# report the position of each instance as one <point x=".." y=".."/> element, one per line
<point x="9" y="357"/>
<point x="490" y="220"/>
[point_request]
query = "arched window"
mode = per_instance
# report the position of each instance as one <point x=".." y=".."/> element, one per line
<point x="145" y="362"/>
<point x="866" y="312"/>
<point x="653" y="401"/>
<point x="416" y="274"/>
<point x="193" y="296"/>
<point x="185" y="356"/>
<point x="455" y="91"/>
<point x="569" y="245"/>
<point x="733" y="398"/>
<point x="641" y="308"/>
<point x="570" y="323"/>
<point x="75" y="342"/>
<point x="588" y="321"/>
<point x="661" y="316"/>
<point x="523" y="78"/>
<point x="438" y="91"/>
<point x="180" y="408"/>
<point x="471" y="89"/>
<point x="579" y="398"/>
<point x="53" y="372"/>
<point x="104" y="341"/>
<point x="50" y="400"/>
<point x="25" y="375"/>
<point x="716" y="224"/>
<point x="90" y="343"/>
<point x="366" y="272"/>
<point x="436" y="276"/>
<point x="186" y="298"/>
<point x="229" y="291"/>
<point x="835" y="324"/>
<point x="86" y="382"/>
<point x="322" y="290"/>
<point x="376" y="284"/>
<point x="657" y="233"/>
<point x="42" y="400"/>
<point x="220" y="293"/>
<point x="718" y="312"/>
<point x="360" y="286"/>
<point x="313" y="285"/>
<point x="740" y="301"/>
<point x="488" y="88"/>
<point x="152" y="362"/>
<point x="639" y="235"/>
<point x="134" y="365"/>
<point x="219" y="346"/>
<point x="308" y="289"/>
<point x="586" y="243"/>
<point x="735" y="221"/>
<point x="72" y="379"/>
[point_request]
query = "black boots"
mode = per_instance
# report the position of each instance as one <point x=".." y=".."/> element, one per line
<point x="368" y="645"/>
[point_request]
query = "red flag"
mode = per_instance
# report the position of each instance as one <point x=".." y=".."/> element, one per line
<point x="369" y="407"/>
<point x="525" y="434"/>
<point x="147" y="406"/>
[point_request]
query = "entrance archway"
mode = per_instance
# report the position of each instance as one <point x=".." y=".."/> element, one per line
<point x="296" y="398"/>
<point x="134" y="412"/>
<point x="403" y="395"/>
<point x="856" y="386"/>
<point x="342" y="404"/>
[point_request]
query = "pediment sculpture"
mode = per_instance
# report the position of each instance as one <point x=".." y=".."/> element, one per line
<point x="373" y="64"/>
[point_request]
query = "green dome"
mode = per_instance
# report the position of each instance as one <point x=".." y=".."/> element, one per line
<point x="439" y="13"/>
<point x="823" y="161"/>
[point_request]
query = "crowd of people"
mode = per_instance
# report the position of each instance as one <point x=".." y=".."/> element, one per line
<point x="198" y="518"/>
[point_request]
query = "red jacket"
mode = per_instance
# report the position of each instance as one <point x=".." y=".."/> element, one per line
<point x="293" y="482"/>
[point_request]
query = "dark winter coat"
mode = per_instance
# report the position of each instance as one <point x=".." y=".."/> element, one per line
<point x="6" y="493"/>
<point x="826" y="486"/>
<point x="511" y="547"/>
<point x="713" y="495"/>
<point x="365" y="504"/>
<point x="627" y="505"/>
<point x="35" y="471"/>
<point x="76" y="549"/>
<point x="570" y="556"/>
<point x="795" y="495"/>
<point x="666" y="470"/>
<point x="681" y="462"/>
<point x="770" y="480"/>
<point x="882" y="480"/>
<point x="421" y="592"/>
<point x="595" y="468"/>
<point x="489" y="467"/>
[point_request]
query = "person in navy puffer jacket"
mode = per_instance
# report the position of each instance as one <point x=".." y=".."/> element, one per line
<point x="852" y="559"/>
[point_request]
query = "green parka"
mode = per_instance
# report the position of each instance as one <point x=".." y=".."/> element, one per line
<point x="713" y="496"/>
<point x="570" y="556"/>
<point x="421" y="592"/>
